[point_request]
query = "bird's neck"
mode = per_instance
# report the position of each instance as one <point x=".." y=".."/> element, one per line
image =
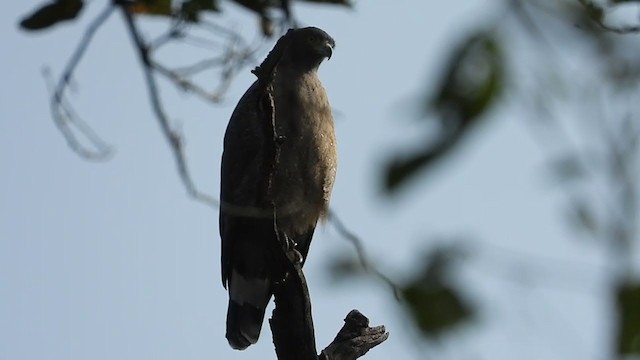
<point x="295" y="65"/>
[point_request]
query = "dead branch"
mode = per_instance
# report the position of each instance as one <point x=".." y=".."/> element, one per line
<point x="355" y="338"/>
<point x="292" y="324"/>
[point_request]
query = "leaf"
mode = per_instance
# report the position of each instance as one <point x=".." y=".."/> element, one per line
<point x="473" y="79"/>
<point x="259" y="7"/>
<point x="435" y="305"/>
<point x="52" y="13"/>
<point x="151" y="7"/>
<point x="436" y="308"/>
<point x="400" y="170"/>
<point x="628" y="311"/>
<point x="332" y="2"/>
<point x="471" y="85"/>
<point x="593" y="11"/>
<point x="191" y="9"/>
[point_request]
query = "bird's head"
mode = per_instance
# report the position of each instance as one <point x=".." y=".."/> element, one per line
<point x="311" y="45"/>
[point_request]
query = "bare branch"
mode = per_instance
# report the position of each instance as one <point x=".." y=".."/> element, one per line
<point x="236" y="55"/>
<point x="175" y="31"/>
<point x="292" y="324"/>
<point x="186" y="85"/>
<point x="173" y="137"/>
<point x="360" y="251"/>
<point x="199" y="66"/>
<point x="65" y="118"/>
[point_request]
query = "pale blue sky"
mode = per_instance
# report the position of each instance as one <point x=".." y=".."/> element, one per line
<point x="113" y="261"/>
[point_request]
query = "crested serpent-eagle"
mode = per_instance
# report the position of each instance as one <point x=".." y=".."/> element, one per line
<point x="278" y="167"/>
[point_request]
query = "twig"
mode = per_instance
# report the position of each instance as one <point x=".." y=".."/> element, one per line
<point x="231" y="62"/>
<point x="185" y="84"/>
<point x="173" y="138"/>
<point x="176" y="31"/>
<point x="199" y="66"/>
<point x="360" y="251"/>
<point x="63" y="114"/>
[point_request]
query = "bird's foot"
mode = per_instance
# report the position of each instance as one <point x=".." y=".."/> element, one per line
<point x="297" y="257"/>
<point x="290" y="247"/>
<point x="289" y="244"/>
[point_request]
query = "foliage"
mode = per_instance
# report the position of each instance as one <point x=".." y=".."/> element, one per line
<point x="434" y="302"/>
<point x="628" y="311"/>
<point x="189" y="10"/>
<point x="432" y="299"/>
<point x="471" y="85"/>
<point x="52" y="13"/>
<point x="598" y="174"/>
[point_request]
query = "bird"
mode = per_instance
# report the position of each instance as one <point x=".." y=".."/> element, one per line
<point x="279" y="164"/>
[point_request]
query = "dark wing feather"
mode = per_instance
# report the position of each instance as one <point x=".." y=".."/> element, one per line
<point x="239" y="188"/>
<point x="246" y="227"/>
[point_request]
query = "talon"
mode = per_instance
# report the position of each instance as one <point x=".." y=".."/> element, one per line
<point x="292" y="245"/>
<point x="289" y="244"/>
<point x="297" y="256"/>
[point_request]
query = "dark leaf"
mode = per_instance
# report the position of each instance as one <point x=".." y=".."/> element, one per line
<point x="473" y="79"/>
<point x="471" y="85"/>
<point x="151" y="7"/>
<point x="191" y="9"/>
<point x="593" y="10"/>
<point x="332" y="2"/>
<point x="434" y="304"/>
<point x="628" y="311"/>
<point x="260" y="6"/>
<point x="400" y="170"/>
<point x="257" y="6"/>
<point x="51" y="14"/>
<point x="436" y="308"/>
<point x="267" y="26"/>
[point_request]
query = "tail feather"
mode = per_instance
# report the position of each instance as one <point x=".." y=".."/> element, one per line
<point x="248" y="299"/>
<point x="243" y="324"/>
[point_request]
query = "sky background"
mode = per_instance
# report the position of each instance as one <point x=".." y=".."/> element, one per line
<point x="111" y="260"/>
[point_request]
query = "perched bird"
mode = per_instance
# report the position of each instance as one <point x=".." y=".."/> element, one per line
<point x="272" y="195"/>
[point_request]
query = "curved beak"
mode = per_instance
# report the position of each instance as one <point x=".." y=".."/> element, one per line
<point x="327" y="50"/>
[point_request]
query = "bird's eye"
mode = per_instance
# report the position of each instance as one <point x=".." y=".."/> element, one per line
<point x="312" y="39"/>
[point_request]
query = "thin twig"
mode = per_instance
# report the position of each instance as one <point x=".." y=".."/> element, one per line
<point x="176" y="31"/>
<point x="184" y="83"/>
<point x="232" y="61"/>
<point x="65" y="118"/>
<point x="173" y="138"/>
<point x="199" y="66"/>
<point x="360" y="251"/>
